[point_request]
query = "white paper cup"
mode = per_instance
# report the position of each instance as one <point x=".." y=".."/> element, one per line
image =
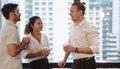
<point x="46" y="48"/>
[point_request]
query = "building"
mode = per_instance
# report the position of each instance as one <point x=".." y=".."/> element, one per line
<point x="56" y="22"/>
<point x="101" y="16"/>
<point x="116" y="21"/>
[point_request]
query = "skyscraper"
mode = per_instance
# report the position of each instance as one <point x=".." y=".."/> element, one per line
<point x="101" y="16"/>
<point x="104" y="14"/>
<point x="116" y="22"/>
<point x="108" y="28"/>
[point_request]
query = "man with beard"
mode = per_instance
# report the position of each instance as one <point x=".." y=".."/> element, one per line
<point x="10" y="46"/>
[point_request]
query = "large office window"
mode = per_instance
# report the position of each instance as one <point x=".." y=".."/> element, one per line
<point x="104" y="14"/>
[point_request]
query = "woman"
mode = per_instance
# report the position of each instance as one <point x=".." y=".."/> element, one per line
<point x="37" y="50"/>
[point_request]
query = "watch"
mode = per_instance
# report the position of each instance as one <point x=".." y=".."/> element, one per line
<point x="76" y="49"/>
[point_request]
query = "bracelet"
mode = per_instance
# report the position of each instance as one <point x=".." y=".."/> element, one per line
<point x="76" y="49"/>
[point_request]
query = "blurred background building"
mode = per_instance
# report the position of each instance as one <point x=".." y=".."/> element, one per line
<point x="104" y="14"/>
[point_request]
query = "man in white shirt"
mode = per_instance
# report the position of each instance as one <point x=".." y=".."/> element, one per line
<point x="83" y="41"/>
<point x="10" y="46"/>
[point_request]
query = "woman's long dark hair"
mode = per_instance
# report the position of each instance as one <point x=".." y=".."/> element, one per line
<point x="28" y="28"/>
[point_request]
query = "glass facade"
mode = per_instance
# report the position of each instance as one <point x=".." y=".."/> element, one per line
<point x="104" y="14"/>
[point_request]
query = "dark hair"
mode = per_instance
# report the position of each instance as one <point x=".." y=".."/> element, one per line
<point x="28" y="28"/>
<point x="7" y="8"/>
<point x="80" y="6"/>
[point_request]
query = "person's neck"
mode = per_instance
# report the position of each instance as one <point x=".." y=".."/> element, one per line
<point x="79" y="20"/>
<point x="12" y="20"/>
<point x="36" y="33"/>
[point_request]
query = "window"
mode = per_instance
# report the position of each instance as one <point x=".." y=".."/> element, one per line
<point x="57" y="23"/>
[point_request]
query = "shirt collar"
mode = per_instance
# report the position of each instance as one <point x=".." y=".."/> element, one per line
<point x="11" y="23"/>
<point x="82" y="22"/>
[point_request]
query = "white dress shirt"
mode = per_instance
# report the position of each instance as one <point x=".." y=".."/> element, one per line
<point x="9" y="35"/>
<point x="35" y="46"/>
<point x="83" y="35"/>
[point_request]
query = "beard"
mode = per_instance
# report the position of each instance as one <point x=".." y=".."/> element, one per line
<point x="17" y="18"/>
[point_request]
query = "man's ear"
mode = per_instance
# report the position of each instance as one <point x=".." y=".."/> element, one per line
<point x="11" y="14"/>
<point x="80" y="12"/>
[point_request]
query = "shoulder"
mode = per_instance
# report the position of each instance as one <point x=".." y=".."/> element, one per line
<point x="10" y="28"/>
<point x="90" y="28"/>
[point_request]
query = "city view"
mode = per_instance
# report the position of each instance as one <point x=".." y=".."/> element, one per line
<point x="104" y="14"/>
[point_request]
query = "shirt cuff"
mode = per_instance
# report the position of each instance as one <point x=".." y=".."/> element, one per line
<point x="94" y="49"/>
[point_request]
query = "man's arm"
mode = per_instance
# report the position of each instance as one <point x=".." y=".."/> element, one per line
<point x="63" y="62"/>
<point x="66" y="56"/>
<point x="92" y="40"/>
<point x="14" y="50"/>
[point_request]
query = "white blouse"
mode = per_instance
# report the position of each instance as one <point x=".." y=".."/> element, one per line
<point x="83" y="35"/>
<point x="35" y="46"/>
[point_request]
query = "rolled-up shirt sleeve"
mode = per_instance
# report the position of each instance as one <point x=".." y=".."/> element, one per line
<point x="12" y="36"/>
<point x="92" y="36"/>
